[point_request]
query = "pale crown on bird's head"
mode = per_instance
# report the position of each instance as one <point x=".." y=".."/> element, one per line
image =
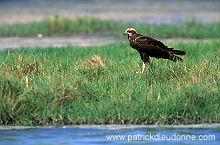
<point x="129" y="31"/>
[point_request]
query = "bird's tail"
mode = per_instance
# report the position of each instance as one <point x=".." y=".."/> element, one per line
<point x="178" y="52"/>
<point x="175" y="58"/>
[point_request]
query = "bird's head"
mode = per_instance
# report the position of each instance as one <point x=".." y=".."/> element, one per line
<point x="130" y="31"/>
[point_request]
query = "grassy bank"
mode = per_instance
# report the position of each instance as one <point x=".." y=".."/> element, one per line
<point x="99" y="85"/>
<point x="61" y="25"/>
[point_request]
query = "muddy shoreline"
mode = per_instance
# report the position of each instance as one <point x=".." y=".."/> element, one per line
<point x="55" y="41"/>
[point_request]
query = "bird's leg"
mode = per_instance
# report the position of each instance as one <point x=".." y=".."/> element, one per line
<point x="143" y="67"/>
<point x="145" y="59"/>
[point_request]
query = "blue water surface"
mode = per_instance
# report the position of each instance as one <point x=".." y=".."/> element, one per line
<point x="108" y="136"/>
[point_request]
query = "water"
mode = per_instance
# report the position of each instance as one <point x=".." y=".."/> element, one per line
<point x="119" y="134"/>
<point x="151" y="11"/>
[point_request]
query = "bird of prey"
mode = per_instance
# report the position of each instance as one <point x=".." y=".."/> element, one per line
<point x="150" y="47"/>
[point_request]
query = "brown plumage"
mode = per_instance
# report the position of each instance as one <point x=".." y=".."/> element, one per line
<point x="150" y="47"/>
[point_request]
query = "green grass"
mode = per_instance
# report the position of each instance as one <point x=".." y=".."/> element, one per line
<point x="58" y="24"/>
<point x="99" y="85"/>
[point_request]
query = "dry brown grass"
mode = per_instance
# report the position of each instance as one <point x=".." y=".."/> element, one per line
<point x="95" y="61"/>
